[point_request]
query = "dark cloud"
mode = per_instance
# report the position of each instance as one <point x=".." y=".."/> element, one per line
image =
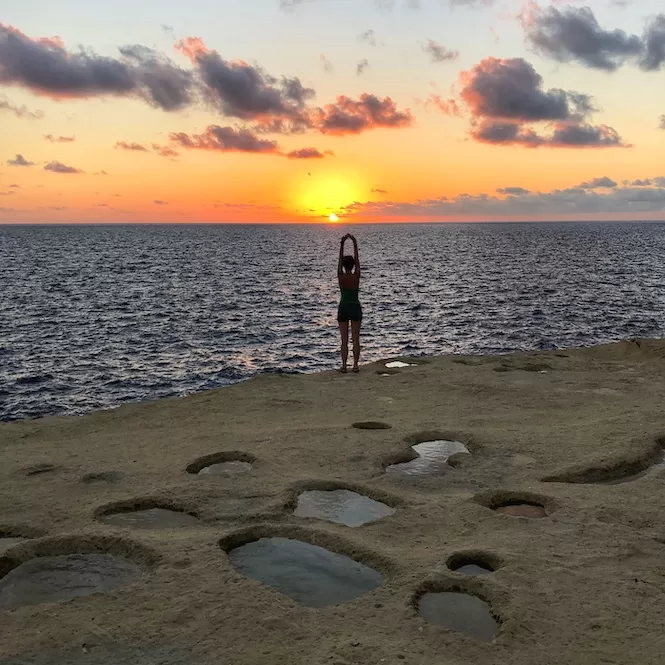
<point x="563" y="135"/>
<point x="242" y="91"/>
<point x="59" y="139"/>
<point x="662" y="121"/>
<point x="19" y="111"/>
<point x="573" y="34"/>
<point x="46" y="67"/>
<point x="377" y="190"/>
<point x="307" y="153"/>
<point x="59" y="167"/>
<point x="19" y="160"/>
<point x="225" y="139"/>
<point x="362" y="66"/>
<point x="513" y="191"/>
<point x="349" y="116"/>
<point x="512" y="89"/>
<point x="506" y="96"/>
<point x="136" y="147"/>
<point x="598" y="183"/>
<point x="439" y="53"/>
<point x="653" y="52"/>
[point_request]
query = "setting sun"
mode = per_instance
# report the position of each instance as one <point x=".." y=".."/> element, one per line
<point x="333" y="217"/>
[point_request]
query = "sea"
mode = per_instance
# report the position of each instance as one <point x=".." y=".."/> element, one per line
<point x="94" y="316"/>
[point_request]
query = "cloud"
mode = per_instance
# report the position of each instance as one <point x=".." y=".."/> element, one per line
<point x="573" y="34"/>
<point x="520" y="202"/>
<point x="362" y="66"/>
<point x="368" y="36"/>
<point x="165" y="151"/>
<point x="59" y="139"/>
<point x="19" y="111"/>
<point x="19" y="160"/>
<point x="349" y="116"/>
<point x="327" y="65"/>
<point x="136" y="147"/>
<point x="506" y="96"/>
<point x="446" y="106"/>
<point x="100" y="173"/>
<point x="59" y="167"/>
<point x="225" y="139"/>
<point x="439" y="53"/>
<point x="14" y="186"/>
<point x="513" y="191"/>
<point x="653" y="52"/>
<point x="308" y="153"/>
<point x="661" y="120"/>
<point x="159" y="202"/>
<point x="598" y="183"/>
<point x="47" y="68"/>
<point x="376" y="190"/>
<point x="7" y="193"/>
<point x="242" y="91"/>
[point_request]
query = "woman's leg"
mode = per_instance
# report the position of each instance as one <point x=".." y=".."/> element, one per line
<point x="344" y="333"/>
<point x="355" y="332"/>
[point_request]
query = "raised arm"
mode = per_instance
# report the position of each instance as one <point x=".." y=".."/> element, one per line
<point x="341" y="255"/>
<point x="355" y="254"/>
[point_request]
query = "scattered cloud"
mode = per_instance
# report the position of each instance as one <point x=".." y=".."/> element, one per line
<point x="165" y="151"/>
<point x="446" y="106"/>
<point x="513" y="191"/>
<point x="14" y="186"/>
<point x="369" y="36"/>
<point x="376" y="190"/>
<point x="19" y="160"/>
<point x="19" y="111"/>
<point x="661" y="120"/>
<point x="159" y="202"/>
<point x="59" y="139"/>
<point x="135" y="147"/>
<point x="439" y="53"/>
<point x="599" y="183"/>
<point x="327" y="65"/>
<point x="225" y="139"/>
<point x="362" y="66"/>
<point x="7" y="193"/>
<point x="349" y="116"/>
<point x="308" y="153"/>
<point x="100" y="173"/>
<point x="59" y="167"/>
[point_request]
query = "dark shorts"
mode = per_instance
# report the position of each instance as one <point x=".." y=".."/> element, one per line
<point x="349" y="311"/>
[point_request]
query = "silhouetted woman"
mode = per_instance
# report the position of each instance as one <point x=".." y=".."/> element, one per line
<point x="348" y="274"/>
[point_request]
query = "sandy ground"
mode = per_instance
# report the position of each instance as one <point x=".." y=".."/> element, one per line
<point x="584" y="585"/>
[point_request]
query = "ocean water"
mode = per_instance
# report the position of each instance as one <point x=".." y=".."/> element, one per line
<point x="94" y="316"/>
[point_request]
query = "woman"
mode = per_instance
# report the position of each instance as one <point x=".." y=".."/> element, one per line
<point x="348" y="275"/>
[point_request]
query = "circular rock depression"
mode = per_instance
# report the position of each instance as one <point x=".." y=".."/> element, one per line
<point x="341" y="506"/>
<point x="61" y="569"/>
<point x="222" y="464"/>
<point x="431" y="456"/>
<point x="459" y="611"/>
<point x="146" y="515"/>
<point x="517" y="504"/>
<point x="473" y="563"/>
<point x="309" y="574"/>
<point x="371" y="424"/>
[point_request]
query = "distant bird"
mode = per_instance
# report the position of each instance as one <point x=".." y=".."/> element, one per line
<point x="309" y="174"/>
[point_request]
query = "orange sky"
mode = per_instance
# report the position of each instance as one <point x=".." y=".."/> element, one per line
<point x="418" y="164"/>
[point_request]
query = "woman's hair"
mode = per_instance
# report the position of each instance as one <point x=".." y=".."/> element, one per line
<point x="348" y="263"/>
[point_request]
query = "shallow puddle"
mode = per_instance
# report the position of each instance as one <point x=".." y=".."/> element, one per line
<point x="461" y="612"/>
<point x="522" y="510"/>
<point x="432" y="458"/>
<point x="226" y="469"/>
<point x="152" y="518"/>
<point x="6" y="543"/>
<point x="311" y="575"/>
<point x="473" y="568"/>
<point x="342" y="507"/>
<point x="398" y="364"/>
<point x="58" y="578"/>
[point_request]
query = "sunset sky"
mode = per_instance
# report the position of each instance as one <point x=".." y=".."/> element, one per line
<point x="293" y="110"/>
